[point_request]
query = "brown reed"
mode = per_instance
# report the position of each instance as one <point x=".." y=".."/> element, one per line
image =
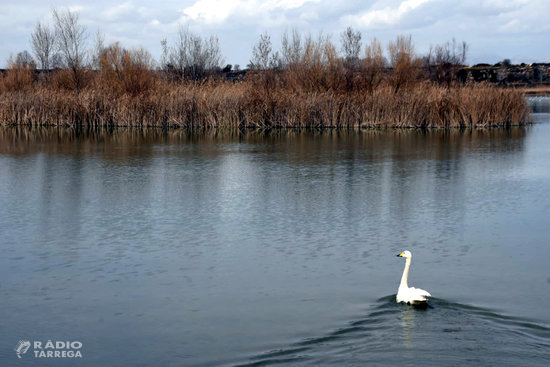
<point x="299" y="98"/>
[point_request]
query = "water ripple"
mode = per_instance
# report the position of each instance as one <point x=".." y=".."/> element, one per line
<point x="447" y="330"/>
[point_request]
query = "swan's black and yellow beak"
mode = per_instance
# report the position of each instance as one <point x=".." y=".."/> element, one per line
<point x="400" y="255"/>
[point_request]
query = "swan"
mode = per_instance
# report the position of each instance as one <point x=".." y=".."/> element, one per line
<point x="413" y="296"/>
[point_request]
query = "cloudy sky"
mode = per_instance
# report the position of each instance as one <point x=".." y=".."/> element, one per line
<point x="494" y="29"/>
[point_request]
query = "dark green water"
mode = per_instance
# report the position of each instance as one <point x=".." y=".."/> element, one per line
<point x="170" y="248"/>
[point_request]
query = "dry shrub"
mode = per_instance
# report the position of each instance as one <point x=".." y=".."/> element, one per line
<point x="312" y="65"/>
<point x="71" y="80"/>
<point x="18" y="77"/>
<point x="125" y="71"/>
<point x="373" y="65"/>
<point x="406" y="65"/>
<point x="62" y="79"/>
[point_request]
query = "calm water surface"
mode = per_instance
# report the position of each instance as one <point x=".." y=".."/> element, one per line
<point x="170" y="248"/>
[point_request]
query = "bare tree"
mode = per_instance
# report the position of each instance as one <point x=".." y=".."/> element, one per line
<point x="314" y="65"/>
<point x="351" y="46"/>
<point x="292" y="49"/>
<point x="444" y="61"/>
<point x="191" y="55"/>
<point x="99" y="47"/>
<point x="205" y="54"/>
<point x="401" y="50"/>
<point x="405" y="64"/>
<point x="374" y="64"/>
<point x="57" y="61"/>
<point x="24" y="60"/>
<point x="165" y="57"/>
<point x="451" y="53"/>
<point x="71" y="42"/>
<point x="261" y="53"/>
<point x="178" y="55"/>
<point x="263" y="57"/>
<point x="317" y="53"/>
<point x="43" y="45"/>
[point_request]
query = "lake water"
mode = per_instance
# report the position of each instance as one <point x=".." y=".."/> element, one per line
<point x="259" y="248"/>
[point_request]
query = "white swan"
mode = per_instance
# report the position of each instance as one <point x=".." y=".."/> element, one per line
<point x="413" y="296"/>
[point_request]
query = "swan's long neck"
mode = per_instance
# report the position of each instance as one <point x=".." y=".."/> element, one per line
<point x="405" y="276"/>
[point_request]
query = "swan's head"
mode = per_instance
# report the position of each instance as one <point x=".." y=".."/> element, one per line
<point x="406" y="254"/>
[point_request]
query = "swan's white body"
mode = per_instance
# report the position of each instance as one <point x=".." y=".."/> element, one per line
<point x="404" y="293"/>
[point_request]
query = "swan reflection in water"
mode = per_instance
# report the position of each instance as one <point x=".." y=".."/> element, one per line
<point x="408" y="323"/>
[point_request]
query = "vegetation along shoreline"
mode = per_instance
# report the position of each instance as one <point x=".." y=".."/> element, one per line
<point x="308" y="83"/>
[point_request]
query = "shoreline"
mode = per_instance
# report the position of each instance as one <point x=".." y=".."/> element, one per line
<point x="537" y="90"/>
<point x="267" y="130"/>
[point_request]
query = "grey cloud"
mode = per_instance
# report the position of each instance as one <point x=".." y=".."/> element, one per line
<point x="493" y="28"/>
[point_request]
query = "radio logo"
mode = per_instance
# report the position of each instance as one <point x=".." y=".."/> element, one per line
<point x="22" y="347"/>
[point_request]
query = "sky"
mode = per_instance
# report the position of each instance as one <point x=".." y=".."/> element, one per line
<point x="518" y="30"/>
